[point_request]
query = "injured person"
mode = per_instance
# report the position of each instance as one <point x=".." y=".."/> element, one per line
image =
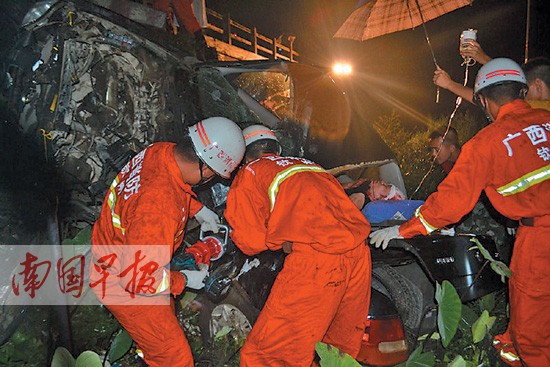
<point x="364" y="191"/>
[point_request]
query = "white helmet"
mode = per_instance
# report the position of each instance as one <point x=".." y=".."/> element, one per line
<point x="219" y="143"/>
<point x="499" y="71"/>
<point x="254" y="133"/>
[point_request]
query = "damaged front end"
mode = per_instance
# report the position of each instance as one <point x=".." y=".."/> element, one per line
<point x="92" y="86"/>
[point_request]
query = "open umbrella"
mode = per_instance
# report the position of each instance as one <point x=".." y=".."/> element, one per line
<point x="379" y="17"/>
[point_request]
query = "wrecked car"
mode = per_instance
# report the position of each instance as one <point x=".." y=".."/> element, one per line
<point x="94" y="82"/>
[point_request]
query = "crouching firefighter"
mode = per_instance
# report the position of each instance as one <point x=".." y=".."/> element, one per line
<point x="142" y="223"/>
<point x="323" y="292"/>
<point x="510" y="160"/>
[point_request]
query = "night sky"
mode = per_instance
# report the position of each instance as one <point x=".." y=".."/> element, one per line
<point x="394" y="72"/>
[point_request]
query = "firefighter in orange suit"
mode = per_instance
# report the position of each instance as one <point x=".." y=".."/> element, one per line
<point x="143" y="217"/>
<point x="182" y="10"/>
<point x="323" y="292"/>
<point x="510" y="160"/>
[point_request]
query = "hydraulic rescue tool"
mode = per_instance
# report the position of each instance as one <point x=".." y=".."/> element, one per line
<point x="208" y="248"/>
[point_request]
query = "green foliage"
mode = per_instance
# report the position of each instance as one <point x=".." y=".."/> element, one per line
<point x="63" y="358"/>
<point x="120" y="345"/>
<point x="270" y="89"/>
<point x="481" y="326"/>
<point x="410" y="147"/>
<point x="82" y="238"/>
<point x="92" y="328"/>
<point x="419" y="359"/>
<point x="472" y="344"/>
<point x="88" y="359"/>
<point x="24" y="349"/>
<point x="28" y="345"/>
<point x="458" y="362"/>
<point x="498" y="266"/>
<point x="449" y="311"/>
<point x="333" y="357"/>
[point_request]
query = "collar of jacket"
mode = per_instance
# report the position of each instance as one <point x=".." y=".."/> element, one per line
<point x="514" y="106"/>
<point x="175" y="173"/>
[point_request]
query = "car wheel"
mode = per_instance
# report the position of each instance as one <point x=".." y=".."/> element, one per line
<point x="406" y="297"/>
<point x="225" y="325"/>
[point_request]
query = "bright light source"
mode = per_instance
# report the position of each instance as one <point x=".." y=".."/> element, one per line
<point x="342" y="68"/>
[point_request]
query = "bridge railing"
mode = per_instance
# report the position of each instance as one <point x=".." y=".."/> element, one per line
<point x="225" y="29"/>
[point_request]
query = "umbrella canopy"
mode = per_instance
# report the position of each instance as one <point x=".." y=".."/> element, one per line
<point x="379" y="17"/>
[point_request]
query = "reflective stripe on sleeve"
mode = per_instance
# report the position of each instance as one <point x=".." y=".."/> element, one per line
<point x="164" y="283"/>
<point x="283" y="175"/>
<point x="525" y="181"/>
<point x="429" y="228"/>
<point x="111" y="200"/>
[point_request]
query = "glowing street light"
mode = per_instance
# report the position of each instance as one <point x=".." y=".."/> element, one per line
<point x="342" y="68"/>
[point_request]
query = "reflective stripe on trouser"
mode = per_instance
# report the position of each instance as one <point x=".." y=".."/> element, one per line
<point x="316" y="297"/>
<point x="503" y="344"/>
<point x="529" y="288"/>
<point x="157" y="333"/>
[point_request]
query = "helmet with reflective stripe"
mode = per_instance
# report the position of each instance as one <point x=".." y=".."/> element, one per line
<point x="219" y="143"/>
<point x="499" y="71"/>
<point x="255" y="133"/>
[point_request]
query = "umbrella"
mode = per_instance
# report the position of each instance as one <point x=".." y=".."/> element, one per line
<point x="379" y="17"/>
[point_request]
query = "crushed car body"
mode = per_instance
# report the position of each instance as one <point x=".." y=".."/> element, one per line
<point x="95" y="82"/>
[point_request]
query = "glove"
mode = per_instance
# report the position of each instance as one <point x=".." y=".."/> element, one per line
<point x="208" y="220"/>
<point x="194" y="279"/>
<point x="511" y="231"/>
<point x="383" y="236"/>
<point x="183" y="261"/>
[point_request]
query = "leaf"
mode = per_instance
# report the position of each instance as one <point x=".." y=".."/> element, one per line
<point x="419" y="359"/>
<point x="333" y="357"/>
<point x="488" y="302"/>
<point x="120" y="346"/>
<point x="458" y="361"/>
<point x="82" y="238"/>
<point x="224" y="331"/>
<point x="498" y="266"/>
<point x="467" y="319"/>
<point x="62" y="358"/>
<point x="187" y="299"/>
<point x="501" y="269"/>
<point x="449" y="312"/>
<point x="483" y="324"/>
<point x="88" y="359"/>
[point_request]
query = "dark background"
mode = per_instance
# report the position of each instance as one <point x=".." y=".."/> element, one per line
<point x="394" y="72"/>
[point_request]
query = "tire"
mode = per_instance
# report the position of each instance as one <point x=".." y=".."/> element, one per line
<point x="405" y="295"/>
<point x="224" y="326"/>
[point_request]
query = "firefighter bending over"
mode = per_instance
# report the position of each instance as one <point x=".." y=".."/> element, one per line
<point x="148" y="205"/>
<point x="323" y="292"/>
<point x="510" y="161"/>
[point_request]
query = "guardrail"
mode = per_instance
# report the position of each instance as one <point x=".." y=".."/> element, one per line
<point x="225" y="29"/>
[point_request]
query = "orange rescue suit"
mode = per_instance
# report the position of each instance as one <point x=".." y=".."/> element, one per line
<point x="510" y="160"/>
<point x="147" y="207"/>
<point x="183" y="10"/>
<point x="323" y="291"/>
